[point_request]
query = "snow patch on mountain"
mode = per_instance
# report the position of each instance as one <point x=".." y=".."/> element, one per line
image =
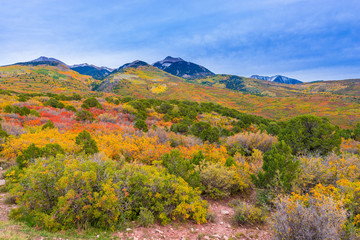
<point x="277" y="78"/>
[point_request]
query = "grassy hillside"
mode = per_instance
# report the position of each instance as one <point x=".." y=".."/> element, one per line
<point x="267" y="99"/>
<point x="43" y="78"/>
<point x="337" y="100"/>
<point x="349" y="87"/>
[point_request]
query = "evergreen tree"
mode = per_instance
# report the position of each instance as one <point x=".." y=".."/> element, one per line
<point x="308" y="133"/>
<point x="279" y="169"/>
<point x="88" y="144"/>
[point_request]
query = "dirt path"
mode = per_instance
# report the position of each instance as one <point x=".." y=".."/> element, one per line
<point x="4" y="208"/>
<point x="222" y="228"/>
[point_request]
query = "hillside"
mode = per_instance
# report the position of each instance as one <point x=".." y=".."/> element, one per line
<point x="267" y="99"/>
<point x="350" y="87"/>
<point x="137" y="162"/>
<point x="42" y="78"/>
<point x="337" y="100"/>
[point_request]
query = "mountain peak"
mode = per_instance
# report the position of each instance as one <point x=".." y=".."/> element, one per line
<point x="92" y="70"/>
<point x="181" y="68"/>
<point x="134" y="64"/>
<point x="277" y="78"/>
<point x="46" y="59"/>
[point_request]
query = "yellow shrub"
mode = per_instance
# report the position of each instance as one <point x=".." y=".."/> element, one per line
<point x="15" y="145"/>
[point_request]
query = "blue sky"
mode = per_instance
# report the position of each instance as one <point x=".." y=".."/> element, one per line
<point x="305" y="39"/>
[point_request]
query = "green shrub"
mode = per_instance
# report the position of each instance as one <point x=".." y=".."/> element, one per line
<point x="52" y="102"/>
<point x="76" y="192"/>
<point x="84" y="116"/>
<point x="35" y="113"/>
<point x="356" y="132"/>
<point x="49" y="125"/>
<point x="22" y="111"/>
<point x="211" y="217"/>
<point x="33" y="152"/>
<point x="212" y="135"/>
<point x="310" y="133"/>
<point x="8" y="109"/>
<point x="199" y="127"/>
<point x="167" y="118"/>
<point x="176" y="164"/>
<point x="52" y="149"/>
<point x="23" y="98"/>
<point x="141" y="124"/>
<point x="246" y="213"/>
<point x="91" y="102"/>
<point x="146" y="217"/>
<point x="179" y="128"/>
<point x="204" y="131"/>
<point x="88" y="144"/>
<point x="141" y="114"/>
<point x="279" y="170"/>
<point x="165" y="108"/>
<point x="3" y="133"/>
<point x="70" y="108"/>
<point x="217" y="180"/>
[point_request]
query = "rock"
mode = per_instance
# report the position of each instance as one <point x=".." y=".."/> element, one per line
<point x="128" y="229"/>
<point x="225" y="212"/>
<point x="158" y="231"/>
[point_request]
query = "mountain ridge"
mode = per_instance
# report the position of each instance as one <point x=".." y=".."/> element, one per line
<point x="182" y="68"/>
<point x="277" y="78"/>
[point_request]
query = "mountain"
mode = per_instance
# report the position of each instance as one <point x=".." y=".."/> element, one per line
<point x="134" y="64"/>
<point x="139" y="79"/>
<point x="92" y="70"/>
<point x="43" y="75"/>
<point x="44" y="61"/>
<point x="338" y="100"/>
<point x="277" y="78"/>
<point x="181" y="68"/>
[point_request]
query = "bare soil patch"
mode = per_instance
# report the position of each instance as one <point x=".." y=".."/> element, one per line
<point x="222" y="228"/>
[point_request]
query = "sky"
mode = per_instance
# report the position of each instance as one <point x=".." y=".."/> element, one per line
<point x="304" y="39"/>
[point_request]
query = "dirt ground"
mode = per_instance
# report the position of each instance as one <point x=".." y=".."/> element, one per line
<point x="222" y="228"/>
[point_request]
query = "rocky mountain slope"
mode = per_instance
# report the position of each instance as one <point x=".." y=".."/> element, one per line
<point x="182" y="68"/>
